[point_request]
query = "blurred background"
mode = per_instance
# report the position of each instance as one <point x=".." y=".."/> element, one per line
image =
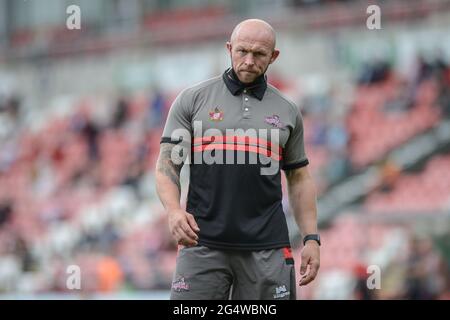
<point x="82" y="111"/>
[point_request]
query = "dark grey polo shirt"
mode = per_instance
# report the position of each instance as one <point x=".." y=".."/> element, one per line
<point x="238" y="139"/>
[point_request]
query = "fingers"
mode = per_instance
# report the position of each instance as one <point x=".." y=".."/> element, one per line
<point x="183" y="228"/>
<point x="188" y="231"/>
<point x="314" y="268"/>
<point x="192" y="223"/>
<point x="303" y="266"/>
<point x="183" y="239"/>
<point x="184" y="234"/>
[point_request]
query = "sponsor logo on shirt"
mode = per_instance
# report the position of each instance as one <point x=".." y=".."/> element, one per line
<point x="274" y="120"/>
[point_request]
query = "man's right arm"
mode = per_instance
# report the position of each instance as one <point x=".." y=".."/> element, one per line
<point x="182" y="224"/>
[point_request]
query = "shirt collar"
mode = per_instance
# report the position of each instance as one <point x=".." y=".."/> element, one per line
<point x="257" y="88"/>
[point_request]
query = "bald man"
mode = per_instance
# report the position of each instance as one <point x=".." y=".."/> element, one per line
<point x="238" y="132"/>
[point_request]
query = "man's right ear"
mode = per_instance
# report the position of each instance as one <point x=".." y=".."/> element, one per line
<point x="229" y="46"/>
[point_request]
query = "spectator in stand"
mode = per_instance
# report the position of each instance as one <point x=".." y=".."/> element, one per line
<point x="5" y="212"/>
<point x="22" y="250"/>
<point x="337" y="139"/>
<point x="156" y="109"/>
<point x="424" y="69"/>
<point x="375" y="72"/>
<point x="361" y="290"/>
<point x="109" y="273"/>
<point x="444" y="99"/>
<point x="13" y="107"/>
<point x="90" y="132"/>
<point x="403" y="99"/>
<point x="389" y="173"/>
<point x="121" y="113"/>
<point x="424" y="279"/>
<point x="442" y="71"/>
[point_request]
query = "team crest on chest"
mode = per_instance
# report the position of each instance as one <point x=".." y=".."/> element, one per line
<point x="216" y="115"/>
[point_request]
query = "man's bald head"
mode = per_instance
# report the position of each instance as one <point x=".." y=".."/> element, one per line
<point x="252" y="49"/>
<point x="255" y="29"/>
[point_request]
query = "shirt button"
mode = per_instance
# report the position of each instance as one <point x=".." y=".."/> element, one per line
<point x="246" y="109"/>
<point x="246" y="99"/>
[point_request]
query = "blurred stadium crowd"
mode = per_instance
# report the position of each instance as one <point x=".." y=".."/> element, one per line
<point x="77" y="186"/>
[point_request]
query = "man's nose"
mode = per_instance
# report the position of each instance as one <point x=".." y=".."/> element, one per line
<point x="249" y="61"/>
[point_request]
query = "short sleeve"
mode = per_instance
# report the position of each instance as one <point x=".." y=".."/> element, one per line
<point x="178" y="124"/>
<point x="294" y="155"/>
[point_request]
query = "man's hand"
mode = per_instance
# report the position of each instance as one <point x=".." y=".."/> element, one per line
<point x="311" y="258"/>
<point x="183" y="227"/>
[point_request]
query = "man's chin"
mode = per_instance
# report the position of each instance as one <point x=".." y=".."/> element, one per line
<point x="247" y="77"/>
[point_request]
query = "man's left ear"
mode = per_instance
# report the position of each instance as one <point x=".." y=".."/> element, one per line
<point x="275" y="55"/>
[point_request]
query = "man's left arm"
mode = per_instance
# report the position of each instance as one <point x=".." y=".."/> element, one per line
<point x="302" y="198"/>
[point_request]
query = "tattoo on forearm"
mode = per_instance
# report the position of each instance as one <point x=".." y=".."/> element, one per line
<point x="167" y="167"/>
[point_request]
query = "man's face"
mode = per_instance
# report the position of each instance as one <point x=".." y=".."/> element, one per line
<point x="251" y="56"/>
